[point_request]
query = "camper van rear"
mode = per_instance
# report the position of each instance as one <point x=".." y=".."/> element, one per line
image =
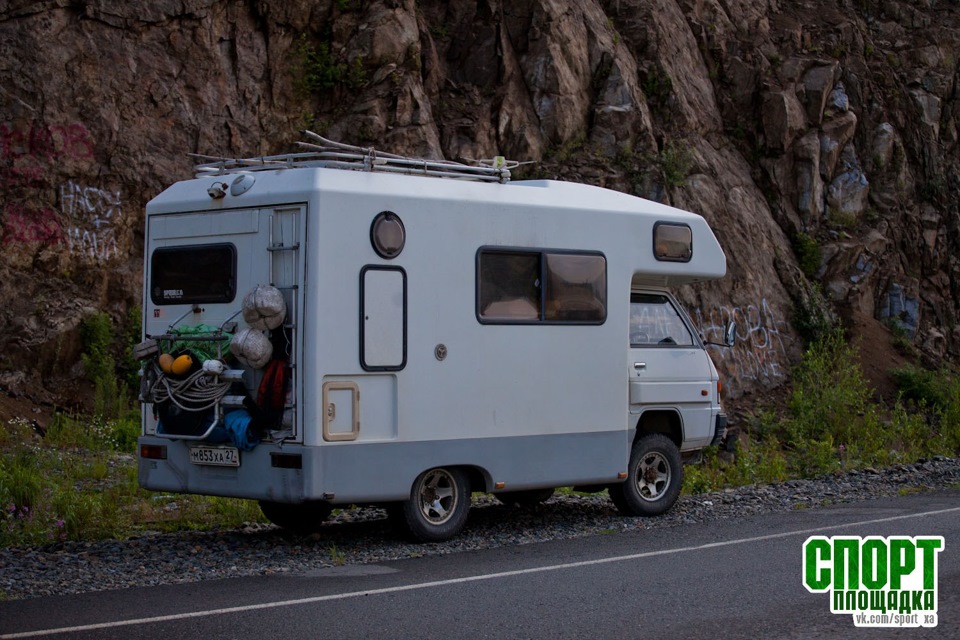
<point x="367" y="337"/>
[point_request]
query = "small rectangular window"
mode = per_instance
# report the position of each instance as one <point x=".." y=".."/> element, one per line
<point x="672" y="242"/>
<point x="517" y="286"/>
<point x="193" y="274"/>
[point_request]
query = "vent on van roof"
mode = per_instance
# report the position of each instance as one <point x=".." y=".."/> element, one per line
<point x="321" y="152"/>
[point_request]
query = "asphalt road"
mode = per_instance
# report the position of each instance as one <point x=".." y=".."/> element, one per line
<point x="729" y="579"/>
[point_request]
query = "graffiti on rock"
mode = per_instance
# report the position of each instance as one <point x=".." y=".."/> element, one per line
<point x="92" y="212"/>
<point x="759" y="354"/>
<point x="49" y="142"/>
<point x="25" y="225"/>
<point x="87" y="215"/>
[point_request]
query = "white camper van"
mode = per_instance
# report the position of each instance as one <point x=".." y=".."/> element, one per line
<point x="342" y="326"/>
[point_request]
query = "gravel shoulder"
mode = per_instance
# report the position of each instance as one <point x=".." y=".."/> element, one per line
<point x="364" y="535"/>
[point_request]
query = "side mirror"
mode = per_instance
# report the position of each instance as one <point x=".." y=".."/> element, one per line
<point x="730" y="334"/>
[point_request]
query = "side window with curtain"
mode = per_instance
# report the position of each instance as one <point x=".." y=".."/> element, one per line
<point x="518" y="286"/>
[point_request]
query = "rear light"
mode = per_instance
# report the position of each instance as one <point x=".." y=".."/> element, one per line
<point x="719" y="388"/>
<point x="286" y="460"/>
<point x="153" y="451"/>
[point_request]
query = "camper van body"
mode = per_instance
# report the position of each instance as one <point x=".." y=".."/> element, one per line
<point x="397" y="366"/>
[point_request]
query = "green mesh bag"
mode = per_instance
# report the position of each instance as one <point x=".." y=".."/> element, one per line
<point x="203" y="349"/>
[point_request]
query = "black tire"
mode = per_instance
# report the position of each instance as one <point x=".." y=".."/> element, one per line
<point x="305" y="517"/>
<point x="525" y="498"/>
<point x="653" y="478"/>
<point x="438" y="505"/>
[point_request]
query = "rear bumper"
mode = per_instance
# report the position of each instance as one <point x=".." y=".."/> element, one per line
<point x="258" y="477"/>
<point x="719" y="429"/>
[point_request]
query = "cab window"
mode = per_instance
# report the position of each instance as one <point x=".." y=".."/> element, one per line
<point x="654" y="321"/>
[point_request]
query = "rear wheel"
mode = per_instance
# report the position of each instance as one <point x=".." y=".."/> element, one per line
<point x="653" y="478"/>
<point x="438" y="505"/>
<point x="305" y="517"/>
<point x="525" y="498"/>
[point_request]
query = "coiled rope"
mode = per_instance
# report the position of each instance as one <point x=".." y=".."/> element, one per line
<point x="199" y="390"/>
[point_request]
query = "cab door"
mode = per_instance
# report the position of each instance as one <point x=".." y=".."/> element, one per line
<point x="669" y="369"/>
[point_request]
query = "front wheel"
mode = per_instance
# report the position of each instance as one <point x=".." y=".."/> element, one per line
<point x="438" y="505"/>
<point x="305" y="517"/>
<point x="653" y="478"/>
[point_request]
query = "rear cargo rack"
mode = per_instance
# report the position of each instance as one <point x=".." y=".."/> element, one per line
<point x="321" y="152"/>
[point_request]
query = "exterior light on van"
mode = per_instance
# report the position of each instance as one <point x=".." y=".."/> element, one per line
<point x="387" y="235"/>
<point x="153" y="451"/>
<point x="217" y="190"/>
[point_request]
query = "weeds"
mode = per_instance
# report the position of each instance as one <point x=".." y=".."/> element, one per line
<point x="657" y="86"/>
<point x="832" y="424"/>
<point x="111" y="397"/>
<point x="811" y="314"/>
<point x="808" y="253"/>
<point x="321" y="71"/>
<point x="337" y="557"/>
<point x="676" y="162"/>
<point x="80" y="483"/>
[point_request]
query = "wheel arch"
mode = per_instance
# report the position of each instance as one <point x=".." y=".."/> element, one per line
<point x="478" y="478"/>
<point x="666" y="421"/>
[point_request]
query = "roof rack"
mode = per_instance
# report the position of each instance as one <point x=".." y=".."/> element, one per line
<point x="320" y="152"/>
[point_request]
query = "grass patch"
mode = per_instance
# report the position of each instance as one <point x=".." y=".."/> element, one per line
<point x="79" y="482"/>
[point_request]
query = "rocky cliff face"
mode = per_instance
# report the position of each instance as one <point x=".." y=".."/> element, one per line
<point x="819" y="138"/>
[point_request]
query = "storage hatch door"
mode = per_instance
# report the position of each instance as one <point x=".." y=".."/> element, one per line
<point x="383" y="319"/>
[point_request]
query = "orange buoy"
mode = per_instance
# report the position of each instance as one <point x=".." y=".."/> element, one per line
<point x="166" y="362"/>
<point x="182" y="365"/>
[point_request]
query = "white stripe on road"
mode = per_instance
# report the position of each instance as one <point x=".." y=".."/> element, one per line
<point x="453" y="581"/>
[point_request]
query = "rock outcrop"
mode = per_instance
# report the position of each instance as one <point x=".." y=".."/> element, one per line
<point x="819" y="138"/>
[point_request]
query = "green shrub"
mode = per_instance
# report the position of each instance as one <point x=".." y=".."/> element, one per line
<point x="922" y="386"/>
<point x="111" y="398"/>
<point x="762" y="461"/>
<point x="830" y="394"/>
<point x="811" y="314"/>
<point x="320" y="70"/>
<point x="811" y="457"/>
<point x="657" y="86"/>
<point x="676" y="162"/>
<point x="936" y="393"/>
<point x="808" y="253"/>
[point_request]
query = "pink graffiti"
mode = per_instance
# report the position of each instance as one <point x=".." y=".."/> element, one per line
<point x="25" y="225"/>
<point x="45" y="142"/>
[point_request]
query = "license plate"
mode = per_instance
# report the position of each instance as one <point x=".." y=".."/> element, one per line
<point x="217" y="456"/>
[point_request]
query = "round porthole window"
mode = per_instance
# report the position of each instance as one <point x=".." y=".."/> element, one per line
<point x="387" y="235"/>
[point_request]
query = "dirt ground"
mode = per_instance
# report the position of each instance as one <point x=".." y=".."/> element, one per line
<point x="878" y="355"/>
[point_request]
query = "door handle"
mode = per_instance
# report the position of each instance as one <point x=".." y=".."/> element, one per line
<point x="639" y="365"/>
